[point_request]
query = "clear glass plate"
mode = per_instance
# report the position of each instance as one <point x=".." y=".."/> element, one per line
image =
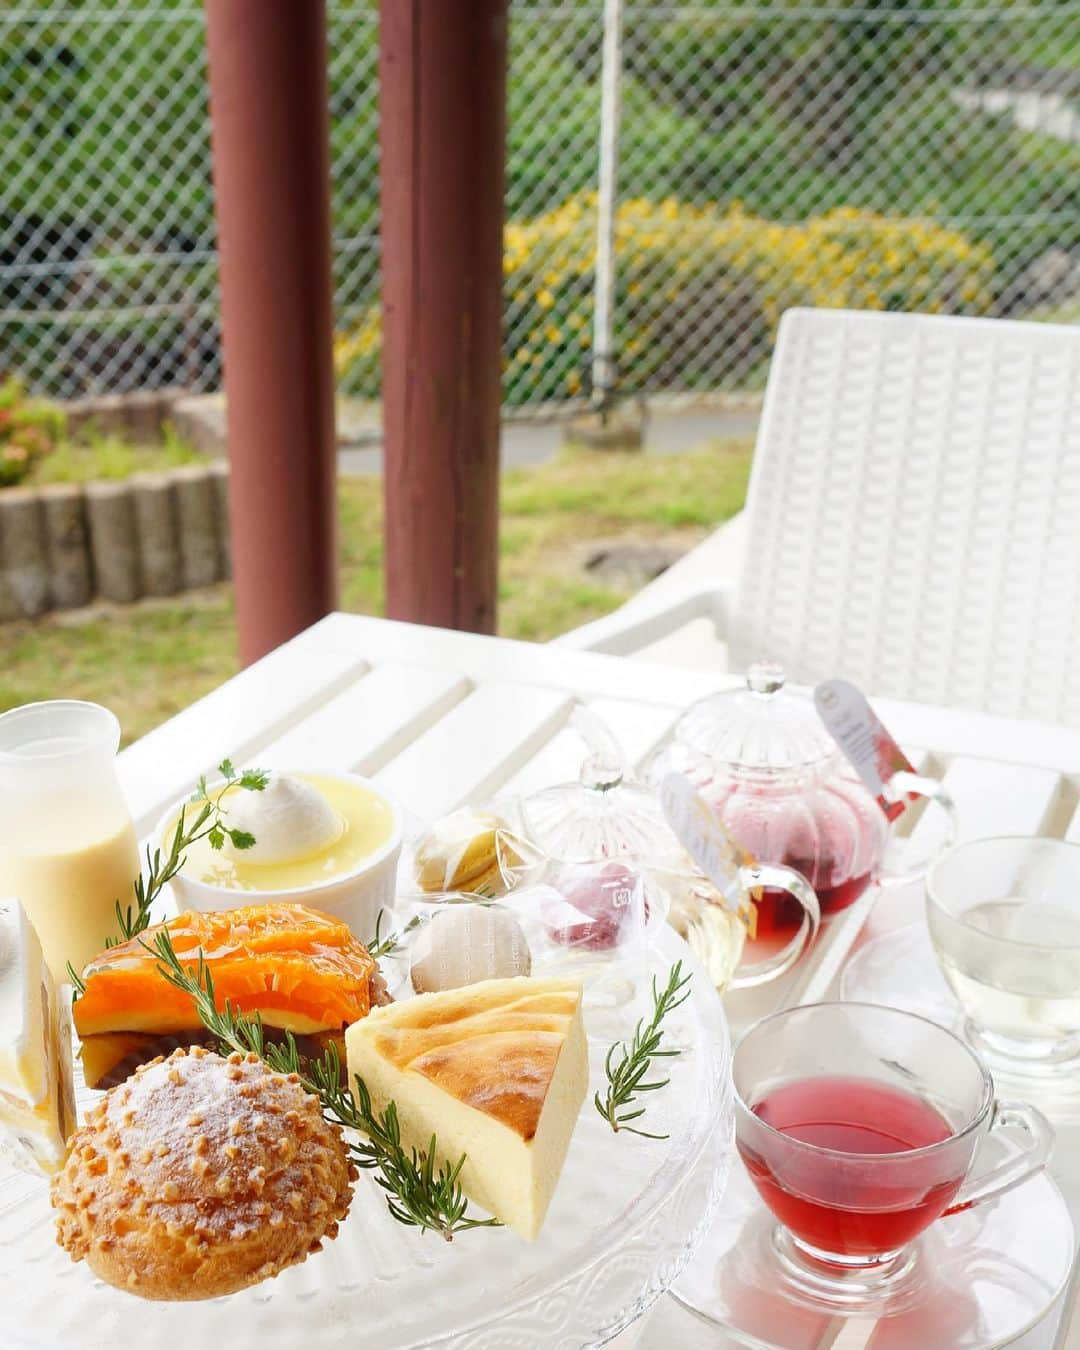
<point x="625" y="1219"/>
<point x="981" y="1278"/>
<point x="901" y="970"/>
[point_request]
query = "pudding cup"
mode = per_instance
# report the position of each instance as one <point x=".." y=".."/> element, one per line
<point x="355" y="896"/>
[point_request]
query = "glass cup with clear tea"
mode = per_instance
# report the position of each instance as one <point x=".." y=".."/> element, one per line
<point x="858" y="1126"/>
<point x="1004" y="918"/>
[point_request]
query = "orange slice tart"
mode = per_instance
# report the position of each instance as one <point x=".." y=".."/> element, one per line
<point x="300" y="970"/>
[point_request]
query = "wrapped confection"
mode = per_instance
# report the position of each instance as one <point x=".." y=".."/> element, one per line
<point x="463" y="944"/>
<point x="461" y="852"/>
<point x="599" y="905"/>
<point x="37" y="1099"/>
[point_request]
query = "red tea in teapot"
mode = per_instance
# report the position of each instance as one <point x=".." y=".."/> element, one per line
<point x="828" y="828"/>
<point x="779" y="915"/>
<point x="764" y="760"/>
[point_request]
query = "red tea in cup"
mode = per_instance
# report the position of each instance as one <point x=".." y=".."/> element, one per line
<point x="853" y="1212"/>
<point x="858" y="1124"/>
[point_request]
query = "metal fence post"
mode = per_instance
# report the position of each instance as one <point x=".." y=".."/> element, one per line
<point x="604" y="372"/>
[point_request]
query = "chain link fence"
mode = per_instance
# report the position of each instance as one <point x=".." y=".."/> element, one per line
<point x="107" y="261"/>
<point x="919" y="156"/>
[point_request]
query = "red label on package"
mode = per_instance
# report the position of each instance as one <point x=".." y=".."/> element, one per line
<point x="868" y="746"/>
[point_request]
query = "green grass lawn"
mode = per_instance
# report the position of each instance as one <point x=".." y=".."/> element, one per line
<point x="149" y="661"/>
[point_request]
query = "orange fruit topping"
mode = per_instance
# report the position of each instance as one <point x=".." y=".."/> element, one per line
<point x="300" y="969"/>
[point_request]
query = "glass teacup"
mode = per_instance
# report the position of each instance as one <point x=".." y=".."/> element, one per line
<point x="858" y="1126"/>
<point x="1004" y="918"/>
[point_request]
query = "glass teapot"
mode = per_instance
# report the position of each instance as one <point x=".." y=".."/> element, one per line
<point x="762" y="758"/>
<point x="606" y="822"/>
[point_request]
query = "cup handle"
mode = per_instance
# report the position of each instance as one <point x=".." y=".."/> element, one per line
<point x="1013" y="1171"/>
<point x="903" y="784"/>
<point x="780" y="878"/>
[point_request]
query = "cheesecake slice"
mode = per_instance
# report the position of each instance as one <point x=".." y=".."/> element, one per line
<point x="37" y="1097"/>
<point x="496" y="1071"/>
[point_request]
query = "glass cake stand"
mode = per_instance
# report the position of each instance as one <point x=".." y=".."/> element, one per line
<point x="626" y="1218"/>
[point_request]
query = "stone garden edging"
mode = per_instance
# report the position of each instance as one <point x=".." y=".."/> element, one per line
<point x="64" y="545"/>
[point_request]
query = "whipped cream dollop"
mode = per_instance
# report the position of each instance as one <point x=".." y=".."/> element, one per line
<point x="289" y="818"/>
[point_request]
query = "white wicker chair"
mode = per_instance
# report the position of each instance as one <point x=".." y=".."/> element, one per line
<point x="913" y="519"/>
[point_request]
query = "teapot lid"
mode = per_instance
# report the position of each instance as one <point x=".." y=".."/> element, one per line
<point x="604" y="814"/>
<point x="762" y="727"/>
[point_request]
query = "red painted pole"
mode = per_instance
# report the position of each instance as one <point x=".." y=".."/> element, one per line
<point x="442" y="69"/>
<point x="270" y="129"/>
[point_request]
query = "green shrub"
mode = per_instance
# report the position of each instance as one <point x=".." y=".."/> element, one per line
<point x="29" y="430"/>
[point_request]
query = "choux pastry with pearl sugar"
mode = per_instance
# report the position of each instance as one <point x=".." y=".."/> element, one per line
<point x="199" y="1176"/>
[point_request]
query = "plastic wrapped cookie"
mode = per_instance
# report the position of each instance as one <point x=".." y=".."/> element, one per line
<point x="463" y="852"/>
<point x="463" y="943"/>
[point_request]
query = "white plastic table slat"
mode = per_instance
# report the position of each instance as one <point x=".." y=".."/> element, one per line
<point x="992" y="798"/>
<point x="587" y="674"/>
<point x="471" y="752"/>
<point x="232" y="721"/>
<point x="1072" y="833"/>
<point x="959" y="733"/>
<point x="638" y="728"/>
<point x="362" y="728"/>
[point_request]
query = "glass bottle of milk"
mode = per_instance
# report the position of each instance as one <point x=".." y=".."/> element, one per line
<point x="67" y="842"/>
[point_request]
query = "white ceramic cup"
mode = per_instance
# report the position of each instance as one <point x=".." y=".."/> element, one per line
<point x="356" y="896"/>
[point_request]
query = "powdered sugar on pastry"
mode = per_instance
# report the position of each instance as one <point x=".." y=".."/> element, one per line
<point x="199" y="1176"/>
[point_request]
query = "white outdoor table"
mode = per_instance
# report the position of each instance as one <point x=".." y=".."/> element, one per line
<point x="441" y="718"/>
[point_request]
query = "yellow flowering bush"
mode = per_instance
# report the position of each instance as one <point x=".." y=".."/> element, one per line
<point x="358" y="354"/>
<point x="700" y="290"/>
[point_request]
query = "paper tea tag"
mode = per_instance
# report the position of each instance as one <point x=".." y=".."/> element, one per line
<point x="710" y="846"/>
<point x="860" y="734"/>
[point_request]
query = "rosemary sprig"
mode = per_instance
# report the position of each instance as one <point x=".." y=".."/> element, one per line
<point x="208" y="822"/>
<point x="231" y="1029"/>
<point x="381" y="946"/>
<point x="417" y="1193"/>
<point x="627" y="1065"/>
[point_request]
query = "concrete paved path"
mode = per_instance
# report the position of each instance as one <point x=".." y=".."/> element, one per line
<point x="527" y="443"/>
